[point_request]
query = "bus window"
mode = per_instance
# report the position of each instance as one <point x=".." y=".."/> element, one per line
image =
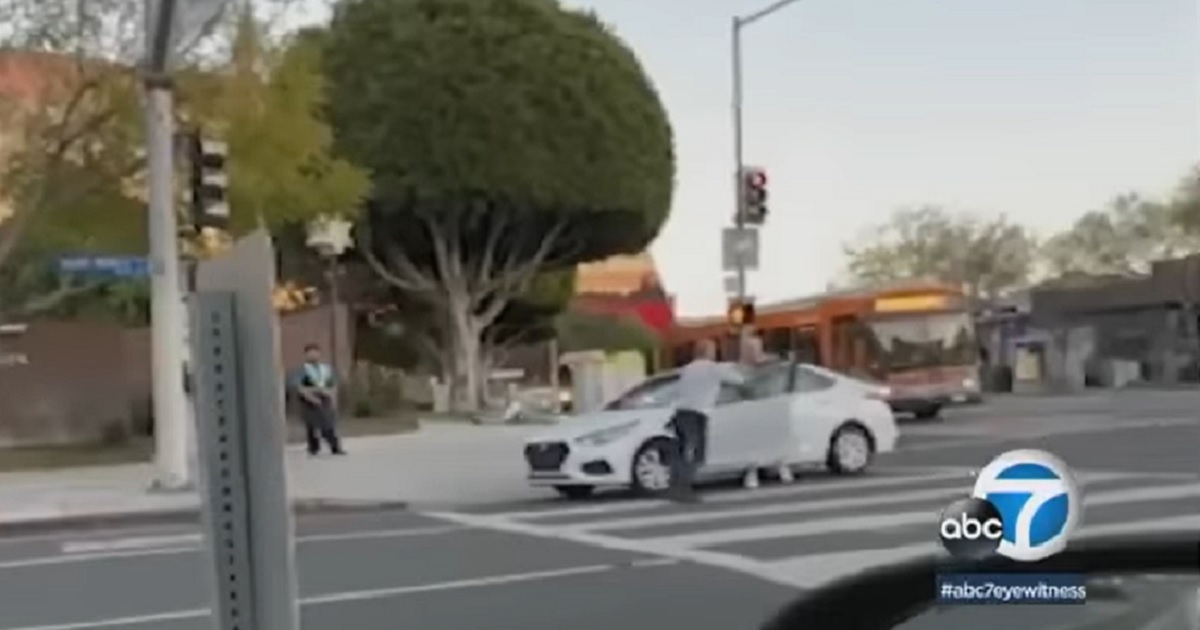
<point x="807" y="343"/>
<point x="777" y="341"/>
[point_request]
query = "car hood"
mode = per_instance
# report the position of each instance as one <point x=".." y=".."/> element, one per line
<point x="576" y="426"/>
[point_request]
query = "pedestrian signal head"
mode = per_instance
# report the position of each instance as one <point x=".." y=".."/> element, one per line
<point x="741" y="313"/>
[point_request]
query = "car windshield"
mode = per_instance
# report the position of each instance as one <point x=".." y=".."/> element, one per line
<point x="921" y="341"/>
<point x="652" y="394"/>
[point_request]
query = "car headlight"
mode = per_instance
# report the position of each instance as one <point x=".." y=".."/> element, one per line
<point x="606" y="435"/>
<point x="970" y="383"/>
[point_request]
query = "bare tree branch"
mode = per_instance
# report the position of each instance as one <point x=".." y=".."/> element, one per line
<point x="516" y="276"/>
<point x="406" y="277"/>
<point x="65" y="291"/>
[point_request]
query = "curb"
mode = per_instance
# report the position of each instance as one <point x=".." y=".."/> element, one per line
<point x="178" y="516"/>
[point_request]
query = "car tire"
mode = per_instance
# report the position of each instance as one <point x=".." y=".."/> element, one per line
<point x="928" y="413"/>
<point x="656" y="452"/>
<point x="575" y="493"/>
<point x="851" y="449"/>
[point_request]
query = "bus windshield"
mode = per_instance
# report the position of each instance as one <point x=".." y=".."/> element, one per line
<point x="924" y="340"/>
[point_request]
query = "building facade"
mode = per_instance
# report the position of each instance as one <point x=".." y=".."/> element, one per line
<point x="626" y="286"/>
<point x="1118" y="332"/>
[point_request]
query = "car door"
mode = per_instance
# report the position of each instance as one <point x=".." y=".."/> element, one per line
<point x="754" y="429"/>
<point x="815" y="411"/>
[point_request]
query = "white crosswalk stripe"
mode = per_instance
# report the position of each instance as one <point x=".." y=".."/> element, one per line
<point x="821" y="529"/>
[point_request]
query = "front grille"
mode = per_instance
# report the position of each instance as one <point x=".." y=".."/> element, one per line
<point x="546" y="456"/>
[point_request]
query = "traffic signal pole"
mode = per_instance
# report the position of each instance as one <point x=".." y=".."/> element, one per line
<point x="739" y="164"/>
<point x="167" y="310"/>
<point x="737" y="24"/>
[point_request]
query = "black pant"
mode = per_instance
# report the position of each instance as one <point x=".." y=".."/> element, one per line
<point x="319" y="422"/>
<point x="691" y="430"/>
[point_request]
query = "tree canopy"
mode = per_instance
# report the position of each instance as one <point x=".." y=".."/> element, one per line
<point x="1120" y="239"/>
<point x="265" y="100"/>
<point x="985" y="257"/>
<point x="71" y="166"/>
<point x="505" y="138"/>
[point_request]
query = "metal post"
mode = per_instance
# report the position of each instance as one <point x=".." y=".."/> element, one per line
<point x="737" y="23"/>
<point x="738" y="161"/>
<point x="555" y="385"/>
<point x="334" y="346"/>
<point x="166" y="313"/>
<point x="239" y="401"/>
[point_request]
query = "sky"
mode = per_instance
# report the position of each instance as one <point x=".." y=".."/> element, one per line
<point x="1037" y="109"/>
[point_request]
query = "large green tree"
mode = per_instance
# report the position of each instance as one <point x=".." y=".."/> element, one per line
<point x="984" y="256"/>
<point x="504" y="138"/>
<point x="1120" y="239"/>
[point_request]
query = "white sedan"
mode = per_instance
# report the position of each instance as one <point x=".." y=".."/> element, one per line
<point x="793" y="414"/>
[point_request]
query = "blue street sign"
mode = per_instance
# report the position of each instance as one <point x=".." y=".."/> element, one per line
<point x="109" y="266"/>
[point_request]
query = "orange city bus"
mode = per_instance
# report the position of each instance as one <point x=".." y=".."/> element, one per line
<point x="916" y="337"/>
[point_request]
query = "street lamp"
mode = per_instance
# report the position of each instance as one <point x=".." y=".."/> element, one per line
<point x="738" y="23"/>
<point x="330" y="237"/>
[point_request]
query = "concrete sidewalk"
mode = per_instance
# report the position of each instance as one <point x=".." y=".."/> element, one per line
<point x="441" y="464"/>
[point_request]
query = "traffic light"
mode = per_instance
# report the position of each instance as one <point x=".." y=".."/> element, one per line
<point x="754" y="195"/>
<point x="210" y="205"/>
<point x="741" y="313"/>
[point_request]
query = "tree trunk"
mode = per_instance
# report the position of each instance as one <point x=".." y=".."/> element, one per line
<point x="465" y="340"/>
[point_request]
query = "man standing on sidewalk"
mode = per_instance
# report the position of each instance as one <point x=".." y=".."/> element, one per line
<point x="699" y="387"/>
<point x="316" y="389"/>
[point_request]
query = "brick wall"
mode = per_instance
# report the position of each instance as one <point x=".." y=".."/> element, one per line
<point x="82" y="381"/>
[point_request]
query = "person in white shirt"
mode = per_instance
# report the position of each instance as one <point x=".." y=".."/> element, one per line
<point x="699" y="388"/>
<point x="753" y="355"/>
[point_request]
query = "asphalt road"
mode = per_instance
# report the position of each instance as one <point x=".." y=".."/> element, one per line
<point x="617" y="562"/>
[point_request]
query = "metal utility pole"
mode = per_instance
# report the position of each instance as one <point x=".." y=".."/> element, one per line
<point x="737" y="24"/>
<point x="739" y="162"/>
<point x="167" y="311"/>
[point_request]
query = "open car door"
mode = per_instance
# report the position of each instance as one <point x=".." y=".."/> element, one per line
<point x="754" y="429"/>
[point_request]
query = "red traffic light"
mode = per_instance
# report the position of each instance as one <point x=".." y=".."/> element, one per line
<point x="757" y="179"/>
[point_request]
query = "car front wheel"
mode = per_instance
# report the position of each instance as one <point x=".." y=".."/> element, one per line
<point x="850" y="450"/>
<point x="650" y="470"/>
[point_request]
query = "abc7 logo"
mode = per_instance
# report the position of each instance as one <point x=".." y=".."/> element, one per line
<point x="971" y="528"/>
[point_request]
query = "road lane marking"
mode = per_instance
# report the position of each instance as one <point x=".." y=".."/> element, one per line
<point x="454" y="585"/>
<point x="800" y="488"/>
<point x="123" y="544"/>
<point x="885" y="521"/>
<point x="692" y="517"/>
<point x="91" y="557"/>
<point x="729" y="561"/>
<point x="799" y="570"/>
<point x="197" y="613"/>
<point x="815" y="570"/>
<point x="133" y="548"/>
<point x="983" y="439"/>
<point x="196" y="541"/>
<point x="368" y="594"/>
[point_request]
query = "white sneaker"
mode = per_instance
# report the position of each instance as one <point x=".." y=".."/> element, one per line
<point x="750" y="481"/>
<point x="785" y="474"/>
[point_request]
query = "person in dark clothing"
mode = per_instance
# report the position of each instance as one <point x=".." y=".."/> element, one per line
<point x="316" y="391"/>
<point x="699" y="387"/>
